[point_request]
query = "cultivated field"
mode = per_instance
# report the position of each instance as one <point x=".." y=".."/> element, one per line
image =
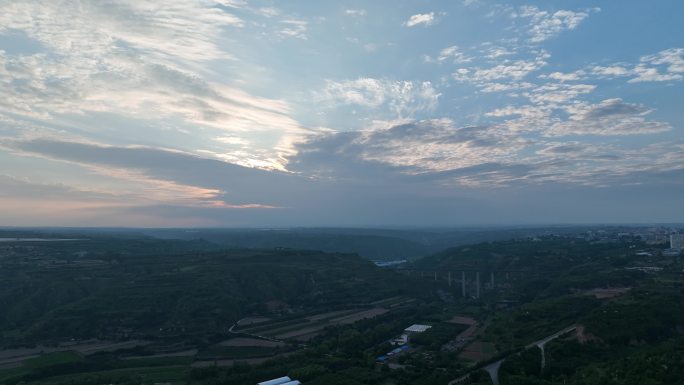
<point x="308" y="326"/>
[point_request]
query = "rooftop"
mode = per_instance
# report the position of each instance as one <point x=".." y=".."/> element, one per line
<point x="417" y="328"/>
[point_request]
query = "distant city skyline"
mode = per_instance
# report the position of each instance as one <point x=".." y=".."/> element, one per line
<point x="240" y="113"/>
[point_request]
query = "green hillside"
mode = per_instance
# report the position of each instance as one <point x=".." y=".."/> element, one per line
<point x="48" y="296"/>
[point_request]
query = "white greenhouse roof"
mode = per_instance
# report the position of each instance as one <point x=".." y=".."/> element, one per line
<point x="417" y="328"/>
<point x="277" y="381"/>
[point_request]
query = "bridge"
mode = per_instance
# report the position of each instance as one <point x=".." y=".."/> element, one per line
<point x="469" y="279"/>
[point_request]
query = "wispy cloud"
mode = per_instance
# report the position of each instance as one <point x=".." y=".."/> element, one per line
<point x="136" y="60"/>
<point x="268" y="11"/>
<point x="609" y="117"/>
<point x="450" y="54"/>
<point x="293" y="28"/>
<point x="478" y="156"/>
<point x="514" y="70"/>
<point x="402" y="97"/>
<point x="544" y="25"/>
<point x="414" y="147"/>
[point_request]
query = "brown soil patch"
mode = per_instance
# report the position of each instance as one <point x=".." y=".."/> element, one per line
<point x="462" y="320"/>
<point x="478" y="351"/>
<point x="582" y="336"/>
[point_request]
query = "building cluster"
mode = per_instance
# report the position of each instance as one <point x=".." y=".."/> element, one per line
<point x="402" y="342"/>
<point x="405" y="337"/>
<point x="659" y="235"/>
<point x="655" y="236"/>
<point x="677" y="241"/>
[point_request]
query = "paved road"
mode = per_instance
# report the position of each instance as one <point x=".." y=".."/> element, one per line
<point x="232" y="331"/>
<point x="493" y="368"/>
<point x="541" y="343"/>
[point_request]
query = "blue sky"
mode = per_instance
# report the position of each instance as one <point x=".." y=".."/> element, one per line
<point x="300" y="113"/>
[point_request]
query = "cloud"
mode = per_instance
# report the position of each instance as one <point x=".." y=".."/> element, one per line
<point x="424" y="19"/>
<point x="178" y="29"/>
<point x="401" y="97"/>
<point x="39" y="87"/>
<point x="664" y="66"/>
<point x="411" y="147"/>
<point x="607" y="118"/>
<point x="355" y="12"/>
<point x="646" y="74"/>
<point x="268" y="11"/>
<point x="293" y="28"/>
<point x="493" y="53"/>
<point x="564" y="77"/>
<point x="437" y="153"/>
<point x="140" y="60"/>
<point x="609" y="71"/>
<point x="555" y="111"/>
<point x="452" y="54"/>
<point x="167" y="108"/>
<point x="11" y="186"/>
<point x="672" y="59"/>
<point x="557" y="93"/>
<point x="514" y="70"/>
<point x="508" y="86"/>
<point x="28" y="203"/>
<point x="556" y="149"/>
<point x="169" y="176"/>
<point x="545" y="25"/>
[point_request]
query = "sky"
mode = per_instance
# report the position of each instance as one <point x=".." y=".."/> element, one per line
<point x="239" y="113"/>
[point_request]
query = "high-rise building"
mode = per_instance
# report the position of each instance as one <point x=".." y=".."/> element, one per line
<point x="677" y="241"/>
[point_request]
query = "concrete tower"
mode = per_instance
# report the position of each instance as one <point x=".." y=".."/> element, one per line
<point x="463" y="283"/>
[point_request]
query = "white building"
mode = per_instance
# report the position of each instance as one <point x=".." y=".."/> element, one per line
<point x="677" y="241"/>
<point x="401" y="340"/>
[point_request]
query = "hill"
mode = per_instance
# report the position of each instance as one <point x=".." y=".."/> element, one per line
<point x="56" y="290"/>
